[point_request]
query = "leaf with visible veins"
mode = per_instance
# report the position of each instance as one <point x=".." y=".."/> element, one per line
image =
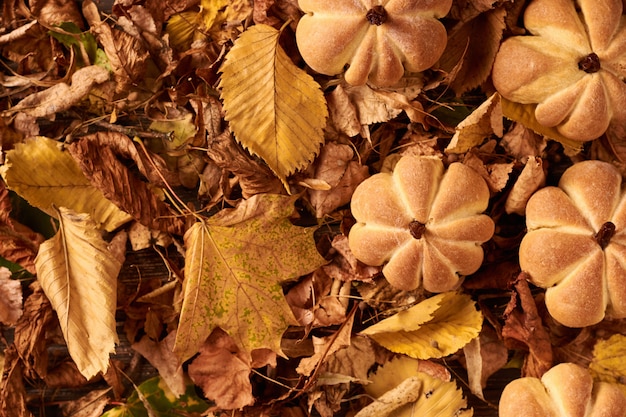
<point x="235" y="262"/>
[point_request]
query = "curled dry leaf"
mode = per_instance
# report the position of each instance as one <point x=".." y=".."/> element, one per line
<point x="160" y="354"/>
<point x="483" y="122"/>
<point x="335" y="167"/>
<point x="10" y="298"/>
<point x="530" y="180"/>
<point x="523" y="329"/>
<point x="18" y="243"/>
<point x="609" y="361"/>
<point x="62" y="96"/>
<point x="107" y="173"/>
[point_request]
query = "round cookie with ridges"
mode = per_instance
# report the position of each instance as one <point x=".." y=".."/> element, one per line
<point x="575" y="245"/>
<point x="572" y="65"/>
<point x="376" y="40"/>
<point x="566" y="390"/>
<point x="423" y="222"/>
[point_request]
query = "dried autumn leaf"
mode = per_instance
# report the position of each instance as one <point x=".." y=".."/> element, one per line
<point x="471" y="49"/>
<point x="10" y="298"/>
<point x="436" y="327"/>
<point x="160" y="355"/>
<point x="479" y="125"/>
<point x="609" y="361"/>
<point x="276" y="110"/>
<point x="235" y="262"/>
<point x="79" y="276"/>
<point x="43" y="174"/>
<point x="222" y="370"/>
<point x="530" y="180"/>
<point x="435" y="397"/>
<point x="108" y="173"/>
<point x="62" y="96"/>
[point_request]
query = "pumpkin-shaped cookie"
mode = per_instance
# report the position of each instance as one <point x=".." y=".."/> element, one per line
<point x="566" y="390"/>
<point x="376" y="39"/>
<point x="575" y="246"/>
<point x="573" y="65"/>
<point x="423" y="222"/>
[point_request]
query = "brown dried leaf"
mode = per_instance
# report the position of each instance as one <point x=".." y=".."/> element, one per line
<point x="12" y="389"/>
<point x="465" y="10"/>
<point x="66" y="375"/>
<point x="530" y="180"/>
<point x="327" y="346"/>
<point x="127" y="56"/>
<point x="496" y="175"/>
<point x="10" y="298"/>
<point x="483" y="122"/>
<point x="483" y="357"/>
<point x="335" y="167"/>
<point x="521" y="142"/>
<point x="523" y="329"/>
<point x="62" y="96"/>
<point x="89" y="405"/>
<point x="161" y="356"/>
<point x="107" y="173"/>
<point x="473" y="44"/>
<point x="31" y="330"/>
<point x="222" y="371"/>
<point x="254" y="177"/>
<point x="343" y="112"/>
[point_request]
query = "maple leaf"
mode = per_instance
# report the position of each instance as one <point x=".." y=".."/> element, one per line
<point x="79" y="276"/>
<point x="276" y="110"/>
<point x="235" y="262"/>
<point x="57" y="181"/>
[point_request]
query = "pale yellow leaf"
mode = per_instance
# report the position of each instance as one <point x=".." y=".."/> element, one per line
<point x="609" y="361"/>
<point x="436" y="327"/>
<point x="276" y="110"/>
<point x="46" y="176"/>
<point x="434" y="397"/>
<point x="78" y="274"/>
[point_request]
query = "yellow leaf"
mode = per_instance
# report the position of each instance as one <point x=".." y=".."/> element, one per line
<point x="275" y="109"/>
<point x="609" y="361"/>
<point x="78" y="274"/>
<point x="525" y="114"/>
<point x="431" y="397"/>
<point x="182" y="130"/>
<point x="43" y="174"/>
<point x="235" y="262"/>
<point x="436" y="327"/>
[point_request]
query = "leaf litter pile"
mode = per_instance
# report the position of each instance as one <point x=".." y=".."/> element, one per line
<point x="226" y="138"/>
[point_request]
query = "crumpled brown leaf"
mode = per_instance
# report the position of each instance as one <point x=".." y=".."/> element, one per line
<point x="471" y="49"/>
<point x="483" y="357"/>
<point x="61" y="96"/>
<point x="12" y="388"/>
<point x="106" y="172"/>
<point x="524" y="329"/>
<point x="335" y="167"/>
<point x="222" y="370"/>
<point x="479" y="125"/>
<point x="18" y="243"/>
<point x="519" y="141"/>
<point x="10" y="298"/>
<point x="530" y="180"/>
